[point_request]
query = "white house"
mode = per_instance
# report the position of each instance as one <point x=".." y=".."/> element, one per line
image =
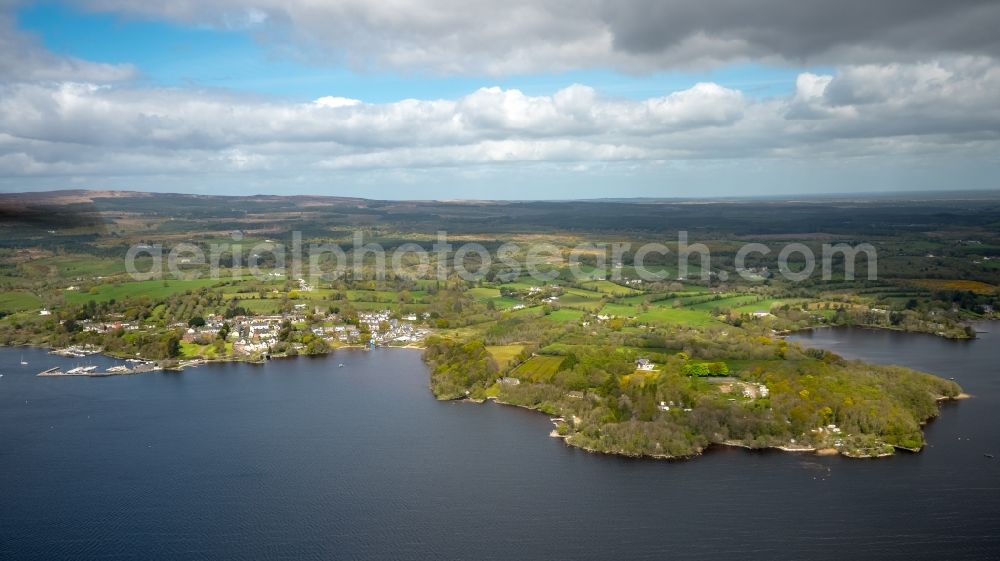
<point x="644" y="364"/>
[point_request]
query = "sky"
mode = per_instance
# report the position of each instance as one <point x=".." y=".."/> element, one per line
<point x="520" y="99"/>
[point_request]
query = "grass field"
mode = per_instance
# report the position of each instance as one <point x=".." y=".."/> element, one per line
<point x="565" y="348"/>
<point x="582" y="299"/>
<point x="665" y="314"/>
<point x="503" y="354"/>
<point x="154" y="289"/>
<point x="262" y="306"/>
<point x="194" y="350"/>
<point x="608" y="287"/>
<point x="727" y="302"/>
<point x="531" y="312"/>
<point x="483" y="294"/>
<point x="677" y="316"/>
<point x="504" y="303"/>
<point x="620" y="310"/>
<point x="493" y="295"/>
<point x="586" y="294"/>
<point x="538" y="368"/>
<point x="18" y="301"/>
<point x="766" y="305"/>
<point x="565" y="315"/>
<point x="72" y="266"/>
<point x="585" y="305"/>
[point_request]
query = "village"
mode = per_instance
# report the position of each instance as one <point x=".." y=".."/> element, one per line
<point x="260" y="336"/>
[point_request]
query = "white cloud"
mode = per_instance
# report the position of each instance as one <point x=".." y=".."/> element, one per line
<point x="47" y="129"/>
<point x="334" y="102"/>
<point x="174" y="118"/>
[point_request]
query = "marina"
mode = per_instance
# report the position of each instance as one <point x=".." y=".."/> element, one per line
<point x="92" y="371"/>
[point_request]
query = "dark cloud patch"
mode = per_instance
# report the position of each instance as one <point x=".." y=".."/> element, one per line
<point x="798" y="30"/>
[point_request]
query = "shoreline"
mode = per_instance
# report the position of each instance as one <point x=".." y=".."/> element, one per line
<point x="811" y="328"/>
<point x="567" y="438"/>
<point x="787" y="447"/>
<point x="182" y="363"/>
<point x="157" y="365"/>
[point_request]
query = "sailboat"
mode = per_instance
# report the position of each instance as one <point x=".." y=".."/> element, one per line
<point x="23" y="362"/>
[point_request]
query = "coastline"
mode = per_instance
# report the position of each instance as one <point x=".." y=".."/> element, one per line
<point x="567" y="438"/>
<point x="181" y="364"/>
<point x="786" y="447"/>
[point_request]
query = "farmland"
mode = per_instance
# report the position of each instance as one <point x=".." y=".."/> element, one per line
<point x="151" y="289"/>
<point x="539" y="368"/>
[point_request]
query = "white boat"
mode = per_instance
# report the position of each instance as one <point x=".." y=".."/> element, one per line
<point x="23" y="362"/>
<point x="341" y="365"/>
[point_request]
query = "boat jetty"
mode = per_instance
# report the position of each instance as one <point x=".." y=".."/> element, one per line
<point x="92" y="371"/>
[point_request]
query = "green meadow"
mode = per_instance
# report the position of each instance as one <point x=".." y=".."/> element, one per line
<point x="153" y="289"/>
<point x="539" y="368"/>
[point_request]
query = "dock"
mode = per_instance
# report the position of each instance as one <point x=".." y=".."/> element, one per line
<point x="93" y="373"/>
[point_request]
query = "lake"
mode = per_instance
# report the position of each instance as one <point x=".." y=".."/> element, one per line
<point x="300" y="459"/>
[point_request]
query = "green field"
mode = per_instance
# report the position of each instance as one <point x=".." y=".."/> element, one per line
<point x="503" y="354"/>
<point x="565" y="348"/>
<point x="665" y="314"/>
<point x="262" y="306"/>
<point x="620" y="310"/>
<point x="765" y="305"/>
<point x="153" y="289"/>
<point x="18" y="301"/>
<point x="587" y="294"/>
<point x="493" y="295"/>
<point x="531" y="312"/>
<point x="83" y="266"/>
<point x="194" y="350"/>
<point x="608" y="287"/>
<point x="581" y="299"/>
<point x="565" y="315"/>
<point x="724" y="302"/>
<point x="677" y="316"/>
<point x="484" y="294"/>
<point x="539" y="368"/>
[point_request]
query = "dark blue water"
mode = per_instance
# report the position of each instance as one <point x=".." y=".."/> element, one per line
<point x="300" y="459"/>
